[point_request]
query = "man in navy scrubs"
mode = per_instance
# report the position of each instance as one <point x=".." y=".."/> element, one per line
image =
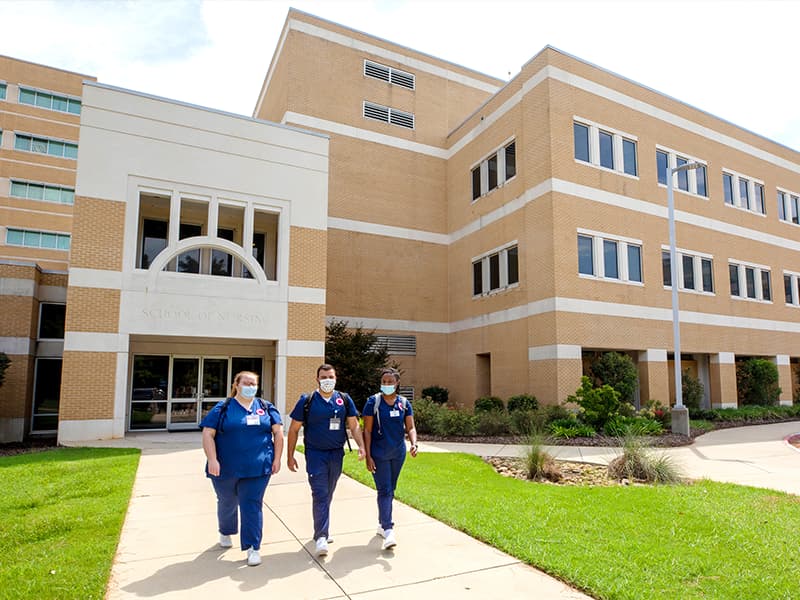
<point x="324" y="414"/>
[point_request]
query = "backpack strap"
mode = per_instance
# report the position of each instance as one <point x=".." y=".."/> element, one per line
<point x="307" y="406"/>
<point x="223" y="411"/>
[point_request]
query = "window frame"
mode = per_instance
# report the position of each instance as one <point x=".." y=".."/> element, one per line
<point x="52" y="97"/>
<point x="18" y="135"/>
<point x="743" y="269"/>
<point x="595" y="148"/>
<point x="744" y="200"/>
<point x="482" y="267"/>
<point x="674" y="160"/>
<point x="63" y="240"/>
<point x="794" y="284"/>
<point x="598" y="247"/>
<point x="788" y="205"/>
<point x="697" y="276"/>
<point x="483" y="170"/>
<point x="29" y="185"/>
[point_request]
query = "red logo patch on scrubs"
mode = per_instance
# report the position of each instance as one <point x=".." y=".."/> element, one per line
<point x="260" y="411"/>
<point x="339" y="401"/>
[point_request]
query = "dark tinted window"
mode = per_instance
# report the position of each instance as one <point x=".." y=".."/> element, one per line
<point x="581" y="135"/>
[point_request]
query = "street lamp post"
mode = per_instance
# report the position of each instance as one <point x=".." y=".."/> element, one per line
<point x="680" y="414"/>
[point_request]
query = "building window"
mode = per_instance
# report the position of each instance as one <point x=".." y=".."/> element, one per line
<point x="743" y="192"/>
<point x="494" y="170"/>
<point x="750" y="281"/>
<point x="51" y="321"/>
<point x="40" y="145"/>
<point x="2" y="91"/>
<point x="46" y="394"/>
<point x="693" y="181"/>
<point x="49" y="101"/>
<point x="609" y="257"/>
<point x="788" y="207"/>
<point x="695" y="271"/>
<point x="495" y="271"/>
<point x="791" y="288"/>
<point x="603" y="147"/>
<point x="37" y="239"/>
<point x="387" y="114"/>
<point x="42" y="191"/>
<point x="389" y="74"/>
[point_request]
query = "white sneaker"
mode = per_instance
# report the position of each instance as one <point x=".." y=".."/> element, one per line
<point x="388" y="539"/>
<point x="322" y="547"/>
<point x="330" y="540"/>
<point x="380" y="531"/>
<point x="225" y="541"/>
<point x="253" y="557"/>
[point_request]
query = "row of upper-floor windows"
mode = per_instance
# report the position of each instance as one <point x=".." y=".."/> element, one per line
<point x="615" y="258"/>
<point x="44" y="145"/>
<point x="37" y="239"/>
<point x="606" y="148"/>
<point x="44" y="99"/>
<point x="42" y="191"/>
<point x="496" y="270"/>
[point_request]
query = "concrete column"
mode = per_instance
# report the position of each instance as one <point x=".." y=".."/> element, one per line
<point x="784" y="379"/>
<point x="722" y="377"/>
<point x="654" y="376"/>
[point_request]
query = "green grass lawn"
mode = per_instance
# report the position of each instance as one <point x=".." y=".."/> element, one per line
<point x="62" y="511"/>
<point x="705" y="540"/>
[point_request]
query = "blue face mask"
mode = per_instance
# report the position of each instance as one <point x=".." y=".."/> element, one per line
<point x="248" y="391"/>
<point x="387" y="390"/>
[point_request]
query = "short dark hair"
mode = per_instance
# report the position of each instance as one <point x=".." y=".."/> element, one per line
<point x="325" y="367"/>
<point x="393" y="372"/>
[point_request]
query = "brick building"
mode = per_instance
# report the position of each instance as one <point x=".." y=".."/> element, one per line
<point x="494" y="234"/>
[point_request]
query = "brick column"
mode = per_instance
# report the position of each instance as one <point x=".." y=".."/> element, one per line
<point x="654" y="376"/>
<point x="722" y="376"/>
<point x="784" y="379"/>
<point x="554" y="372"/>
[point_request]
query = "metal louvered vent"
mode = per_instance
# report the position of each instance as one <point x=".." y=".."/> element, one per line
<point x="403" y="119"/>
<point x="407" y="391"/>
<point x="377" y="71"/>
<point x="402" y="79"/>
<point x="397" y="344"/>
<point x="376" y="111"/>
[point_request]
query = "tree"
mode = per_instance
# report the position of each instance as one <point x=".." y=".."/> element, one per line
<point x="757" y="382"/>
<point x="4" y="362"/>
<point x="357" y="358"/>
<point x="618" y="371"/>
<point x="599" y="404"/>
<point x="693" y="390"/>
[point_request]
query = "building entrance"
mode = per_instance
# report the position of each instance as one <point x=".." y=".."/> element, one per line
<point x="175" y="392"/>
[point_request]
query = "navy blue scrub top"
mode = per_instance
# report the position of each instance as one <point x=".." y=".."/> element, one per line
<point x="388" y="440"/>
<point x="243" y="450"/>
<point x="317" y="434"/>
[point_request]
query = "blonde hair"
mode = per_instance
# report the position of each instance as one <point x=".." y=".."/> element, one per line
<point x="238" y="377"/>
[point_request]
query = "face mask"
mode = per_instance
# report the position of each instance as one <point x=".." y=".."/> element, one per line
<point x="327" y="385"/>
<point x="387" y="390"/>
<point x="248" y="391"/>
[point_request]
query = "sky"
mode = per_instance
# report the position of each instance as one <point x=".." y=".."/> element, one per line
<point x="734" y="59"/>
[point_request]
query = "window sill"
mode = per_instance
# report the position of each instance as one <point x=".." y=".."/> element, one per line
<point x="687" y="192"/>
<point x="611" y="280"/>
<point x="606" y="169"/>
<point x="668" y="288"/>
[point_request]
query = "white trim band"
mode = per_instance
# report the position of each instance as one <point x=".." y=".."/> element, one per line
<point x="95" y="278"/>
<point x="15" y="345"/>
<point x="306" y="295"/>
<point x="302" y="348"/>
<point x="80" y="341"/>
<point x="555" y="352"/>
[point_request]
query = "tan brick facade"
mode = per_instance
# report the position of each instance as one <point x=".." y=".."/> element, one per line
<point x="93" y="309"/>
<point x="99" y="231"/>
<point x="87" y="385"/>
<point x="306" y="321"/>
<point x="307" y="268"/>
<point x="301" y="373"/>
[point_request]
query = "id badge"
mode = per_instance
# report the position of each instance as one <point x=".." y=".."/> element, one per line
<point x="253" y="420"/>
<point x="335" y="424"/>
<point x="394" y="413"/>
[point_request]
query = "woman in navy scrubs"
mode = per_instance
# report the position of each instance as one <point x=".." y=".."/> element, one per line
<point x="243" y="442"/>
<point x="388" y="417"/>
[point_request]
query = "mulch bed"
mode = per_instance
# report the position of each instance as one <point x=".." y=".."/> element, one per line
<point x="32" y="445"/>
<point x="667" y="440"/>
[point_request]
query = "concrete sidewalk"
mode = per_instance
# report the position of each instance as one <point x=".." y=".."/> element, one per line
<point x="168" y="547"/>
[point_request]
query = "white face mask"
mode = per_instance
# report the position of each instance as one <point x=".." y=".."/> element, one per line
<point x="327" y="385"/>
<point x="387" y="390"/>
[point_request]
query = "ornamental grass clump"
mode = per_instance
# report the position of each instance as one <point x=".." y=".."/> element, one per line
<point x="539" y="463"/>
<point x="639" y="463"/>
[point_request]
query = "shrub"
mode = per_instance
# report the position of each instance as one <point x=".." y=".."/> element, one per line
<point x="440" y="395"/>
<point x="526" y="422"/>
<point x="553" y="412"/>
<point x="620" y="426"/>
<point x="522" y="402"/>
<point x="454" y="422"/>
<point x="493" y="422"/>
<point x="489" y="403"/>
<point x="426" y="413"/>
<point x="540" y="464"/>
<point x="692" y="390"/>
<point x="618" y="371"/>
<point x="653" y="409"/>
<point x="569" y="428"/>
<point x="757" y="382"/>
<point x="637" y="462"/>
<point x="598" y="404"/>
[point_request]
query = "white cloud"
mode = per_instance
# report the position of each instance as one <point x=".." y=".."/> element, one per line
<point x="727" y="58"/>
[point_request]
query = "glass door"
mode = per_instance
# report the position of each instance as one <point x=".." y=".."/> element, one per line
<point x="215" y="383"/>
<point x="183" y="413"/>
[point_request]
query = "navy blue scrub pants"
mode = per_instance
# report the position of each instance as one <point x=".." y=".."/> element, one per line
<point x="324" y="468"/>
<point x="385" y="476"/>
<point x="246" y="495"/>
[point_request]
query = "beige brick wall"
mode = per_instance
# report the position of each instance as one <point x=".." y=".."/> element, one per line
<point x="723" y="385"/>
<point x="301" y="374"/>
<point x="307" y="257"/>
<point x="87" y="385"/>
<point x="99" y="229"/>
<point x="54" y="279"/>
<point x="92" y="309"/>
<point x="19" y="316"/>
<point x="654" y="382"/>
<point x="306" y="321"/>
<point x="16" y="391"/>
<point x="18" y="271"/>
